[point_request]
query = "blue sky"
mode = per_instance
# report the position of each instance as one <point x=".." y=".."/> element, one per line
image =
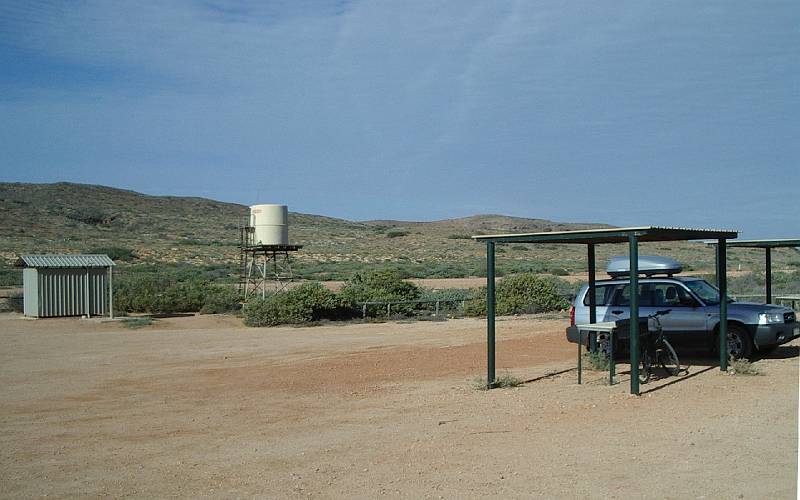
<point x="678" y="113"/>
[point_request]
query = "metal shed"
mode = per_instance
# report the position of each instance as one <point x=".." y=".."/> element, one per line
<point x="67" y="285"/>
<point x="591" y="237"/>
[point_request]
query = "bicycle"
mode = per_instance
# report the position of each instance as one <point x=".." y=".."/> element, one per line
<point x="656" y="348"/>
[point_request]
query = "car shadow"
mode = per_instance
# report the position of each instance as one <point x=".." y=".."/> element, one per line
<point x="780" y="352"/>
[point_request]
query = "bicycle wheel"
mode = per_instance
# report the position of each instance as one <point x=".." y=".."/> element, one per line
<point x="645" y="366"/>
<point x="668" y="359"/>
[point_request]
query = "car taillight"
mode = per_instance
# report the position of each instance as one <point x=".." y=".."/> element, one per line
<point x="572" y="316"/>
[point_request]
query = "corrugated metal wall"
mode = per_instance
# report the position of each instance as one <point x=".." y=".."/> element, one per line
<point x="64" y="292"/>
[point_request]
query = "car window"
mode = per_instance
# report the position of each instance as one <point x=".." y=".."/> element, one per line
<point x="671" y="295"/>
<point x="708" y="293"/>
<point x="602" y="294"/>
<point x="650" y="295"/>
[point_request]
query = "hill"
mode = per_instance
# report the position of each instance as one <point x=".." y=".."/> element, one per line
<point x="66" y="217"/>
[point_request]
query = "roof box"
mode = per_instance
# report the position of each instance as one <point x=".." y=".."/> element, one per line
<point x="649" y="265"/>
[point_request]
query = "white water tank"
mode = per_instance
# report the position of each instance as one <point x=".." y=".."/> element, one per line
<point x="271" y="223"/>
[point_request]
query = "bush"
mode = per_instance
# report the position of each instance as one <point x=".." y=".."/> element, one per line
<point x="159" y="294"/>
<point x="16" y="302"/>
<point x="380" y="286"/>
<point x="10" y="276"/>
<point x="221" y="299"/>
<point x="397" y="234"/>
<point x="90" y="216"/>
<point x="307" y="303"/>
<point x="519" y="294"/>
<point x="115" y="253"/>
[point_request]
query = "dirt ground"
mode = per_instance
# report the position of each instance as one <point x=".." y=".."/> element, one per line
<point x="203" y="407"/>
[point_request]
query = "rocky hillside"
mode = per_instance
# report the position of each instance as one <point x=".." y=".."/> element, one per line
<point x="64" y="217"/>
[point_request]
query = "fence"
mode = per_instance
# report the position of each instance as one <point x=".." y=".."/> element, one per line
<point x="782" y="299"/>
<point x="437" y="305"/>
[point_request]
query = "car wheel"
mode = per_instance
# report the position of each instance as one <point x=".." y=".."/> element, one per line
<point x="739" y="343"/>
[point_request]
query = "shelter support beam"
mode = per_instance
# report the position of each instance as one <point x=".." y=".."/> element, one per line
<point x="633" y="243"/>
<point x="768" y="273"/>
<point x="592" y="298"/>
<point x="490" y="303"/>
<point x="590" y="257"/>
<point x="722" y="282"/>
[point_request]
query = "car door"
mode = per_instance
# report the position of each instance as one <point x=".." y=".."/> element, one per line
<point x="619" y="307"/>
<point x="685" y="325"/>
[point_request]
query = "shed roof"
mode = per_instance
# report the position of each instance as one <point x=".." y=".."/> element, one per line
<point x="64" y="260"/>
<point x="613" y="235"/>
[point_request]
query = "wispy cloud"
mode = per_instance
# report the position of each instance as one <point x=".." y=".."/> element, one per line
<point x="528" y="106"/>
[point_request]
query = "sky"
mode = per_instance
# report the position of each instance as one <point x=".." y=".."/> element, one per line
<point x="671" y="113"/>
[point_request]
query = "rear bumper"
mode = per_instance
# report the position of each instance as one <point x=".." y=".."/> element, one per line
<point x="572" y="335"/>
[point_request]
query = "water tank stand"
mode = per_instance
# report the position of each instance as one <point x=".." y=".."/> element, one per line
<point x="266" y="268"/>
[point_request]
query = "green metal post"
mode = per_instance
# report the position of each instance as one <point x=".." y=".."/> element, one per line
<point x="592" y="299"/>
<point x="722" y="279"/>
<point x="611" y="364"/>
<point x="580" y="365"/>
<point x="768" y="273"/>
<point x="490" y="302"/>
<point x="634" y="297"/>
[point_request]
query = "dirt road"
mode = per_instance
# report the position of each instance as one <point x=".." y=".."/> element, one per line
<point x="202" y="407"/>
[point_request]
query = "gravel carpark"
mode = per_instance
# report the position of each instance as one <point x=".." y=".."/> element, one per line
<point x="201" y="406"/>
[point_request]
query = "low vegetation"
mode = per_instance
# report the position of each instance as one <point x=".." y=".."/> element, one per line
<point x="502" y="381"/>
<point x="115" y="253"/>
<point x="165" y="294"/>
<point x="520" y="294"/>
<point x="307" y="303"/>
<point x="596" y="361"/>
<point x="742" y="367"/>
<point x="135" y="323"/>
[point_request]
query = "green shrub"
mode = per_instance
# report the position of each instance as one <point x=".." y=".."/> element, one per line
<point x="743" y="367"/>
<point x="596" y="361"/>
<point x="134" y="323"/>
<point x="221" y="299"/>
<point x="159" y="294"/>
<point x="10" y="276"/>
<point x="380" y="286"/>
<point x="89" y="216"/>
<point x="16" y="302"/>
<point x="518" y="294"/>
<point x="397" y="234"/>
<point x="307" y="303"/>
<point x="503" y="381"/>
<point x="115" y="253"/>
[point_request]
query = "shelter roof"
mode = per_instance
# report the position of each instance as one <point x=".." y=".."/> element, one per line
<point x="64" y="260"/>
<point x="613" y="235"/>
<point x="779" y="243"/>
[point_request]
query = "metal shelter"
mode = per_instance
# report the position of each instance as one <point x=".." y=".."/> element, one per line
<point x="67" y="285"/>
<point x="591" y="237"/>
<point x="767" y="245"/>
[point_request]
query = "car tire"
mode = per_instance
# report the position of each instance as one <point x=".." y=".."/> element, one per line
<point x="739" y="344"/>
